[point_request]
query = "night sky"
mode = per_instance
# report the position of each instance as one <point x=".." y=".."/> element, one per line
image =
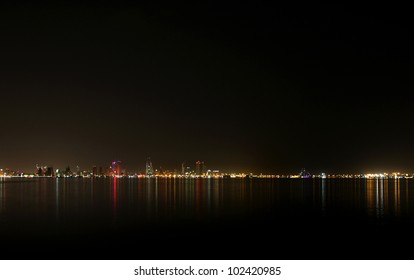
<point x="244" y="86"/>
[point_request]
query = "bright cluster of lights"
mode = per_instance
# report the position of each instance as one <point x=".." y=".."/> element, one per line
<point x="7" y="173"/>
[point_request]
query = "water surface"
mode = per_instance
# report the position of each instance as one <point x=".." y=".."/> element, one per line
<point x="178" y="218"/>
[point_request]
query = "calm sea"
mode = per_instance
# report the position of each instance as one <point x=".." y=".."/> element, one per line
<point x="172" y="218"/>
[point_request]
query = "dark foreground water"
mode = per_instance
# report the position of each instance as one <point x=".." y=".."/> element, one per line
<point x="105" y="218"/>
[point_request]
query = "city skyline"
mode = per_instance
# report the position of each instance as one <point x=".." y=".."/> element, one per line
<point x="244" y="86"/>
<point x="118" y="168"/>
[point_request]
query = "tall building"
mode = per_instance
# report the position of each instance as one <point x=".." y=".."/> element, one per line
<point x="149" y="171"/>
<point x="67" y="171"/>
<point x="94" y="171"/>
<point x="59" y="173"/>
<point x="49" y="171"/>
<point x="44" y="171"/>
<point x="188" y="171"/>
<point x="108" y="171"/>
<point x="116" y="168"/>
<point x="183" y="168"/>
<point x="39" y="171"/>
<point x="200" y="168"/>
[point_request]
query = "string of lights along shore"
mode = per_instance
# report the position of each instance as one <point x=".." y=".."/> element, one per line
<point x="116" y="169"/>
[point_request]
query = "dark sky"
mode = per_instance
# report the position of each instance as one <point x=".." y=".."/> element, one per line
<point x="244" y="86"/>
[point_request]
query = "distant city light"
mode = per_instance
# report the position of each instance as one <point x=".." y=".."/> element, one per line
<point x="199" y="170"/>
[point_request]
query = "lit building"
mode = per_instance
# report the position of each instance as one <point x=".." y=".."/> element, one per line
<point x="59" y="173"/>
<point x="44" y="171"/>
<point x="149" y="171"/>
<point x="39" y="170"/>
<point x="67" y="171"/>
<point x="108" y="171"/>
<point x="304" y="174"/>
<point x="215" y="172"/>
<point x="49" y="171"/>
<point x="116" y="168"/>
<point x="183" y="168"/>
<point x="94" y="171"/>
<point x="200" y="168"/>
<point x="188" y="171"/>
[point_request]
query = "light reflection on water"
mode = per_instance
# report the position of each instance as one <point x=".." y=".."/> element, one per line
<point x="165" y="217"/>
<point x="2" y="189"/>
<point x="132" y="199"/>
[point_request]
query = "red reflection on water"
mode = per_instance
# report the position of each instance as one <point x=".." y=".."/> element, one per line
<point x="115" y="193"/>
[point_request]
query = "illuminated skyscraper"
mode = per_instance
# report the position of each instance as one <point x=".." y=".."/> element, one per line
<point x="200" y="168"/>
<point x="183" y="168"/>
<point x="94" y="171"/>
<point x="148" y="168"/>
<point x="116" y="168"/>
